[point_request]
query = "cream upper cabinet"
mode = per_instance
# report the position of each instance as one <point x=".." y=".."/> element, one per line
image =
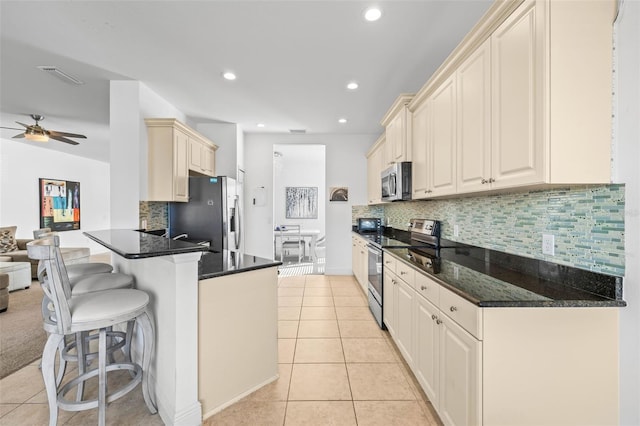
<point x="397" y="123"/>
<point x="374" y="169"/>
<point x="518" y="146"/>
<point x="421" y="184"/>
<point x="173" y="151"/>
<point x="442" y="141"/>
<point x="201" y="156"/>
<point x="168" y="169"/>
<point x="473" y="103"/>
<point x="526" y="98"/>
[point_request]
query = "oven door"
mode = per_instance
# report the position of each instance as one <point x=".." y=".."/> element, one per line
<point x="374" y="278"/>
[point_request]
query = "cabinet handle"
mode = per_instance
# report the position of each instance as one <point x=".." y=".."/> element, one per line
<point x="403" y="273"/>
<point x="423" y="288"/>
<point x="387" y="262"/>
<point x="438" y="321"/>
<point x="433" y="316"/>
<point x="453" y="309"/>
<point x="483" y="181"/>
<point x="491" y="180"/>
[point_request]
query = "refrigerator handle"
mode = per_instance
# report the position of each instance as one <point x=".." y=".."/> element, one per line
<point x="238" y="233"/>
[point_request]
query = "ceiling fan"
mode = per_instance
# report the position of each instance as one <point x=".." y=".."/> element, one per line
<point x="37" y="133"/>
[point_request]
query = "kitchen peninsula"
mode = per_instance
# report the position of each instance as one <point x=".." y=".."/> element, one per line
<point x="215" y="316"/>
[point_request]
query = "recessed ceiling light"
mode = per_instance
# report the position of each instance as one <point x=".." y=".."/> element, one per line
<point x="342" y="120"/>
<point x="372" y="14"/>
<point x="352" y="86"/>
<point x="228" y="75"/>
<point x="260" y="124"/>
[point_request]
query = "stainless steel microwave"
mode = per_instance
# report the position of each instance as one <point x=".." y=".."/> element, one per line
<point x="396" y="182"/>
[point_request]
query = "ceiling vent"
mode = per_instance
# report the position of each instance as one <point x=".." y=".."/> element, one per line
<point x="57" y="72"/>
<point x="298" y="131"/>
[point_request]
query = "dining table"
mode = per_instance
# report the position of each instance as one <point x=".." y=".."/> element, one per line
<point x="312" y="234"/>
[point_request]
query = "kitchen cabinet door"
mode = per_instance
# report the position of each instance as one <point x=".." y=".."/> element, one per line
<point x="420" y="152"/>
<point x="473" y="87"/>
<point x="442" y="144"/>
<point x="181" y="168"/>
<point x="517" y="97"/>
<point x="460" y="375"/>
<point x="374" y="170"/>
<point x="426" y="360"/>
<point x="404" y="312"/>
<point x="388" y="301"/>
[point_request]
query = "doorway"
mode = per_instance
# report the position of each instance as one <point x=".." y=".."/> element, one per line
<point x="299" y="203"/>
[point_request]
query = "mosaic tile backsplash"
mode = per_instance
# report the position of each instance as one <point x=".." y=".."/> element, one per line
<point x="587" y="223"/>
<point x="155" y="213"/>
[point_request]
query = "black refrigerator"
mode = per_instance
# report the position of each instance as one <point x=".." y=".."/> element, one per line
<point x="212" y="214"/>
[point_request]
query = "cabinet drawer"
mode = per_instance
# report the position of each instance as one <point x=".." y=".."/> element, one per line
<point x="405" y="273"/>
<point x="389" y="262"/>
<point x="463" y="312"/>
<point x="427" y="288"/>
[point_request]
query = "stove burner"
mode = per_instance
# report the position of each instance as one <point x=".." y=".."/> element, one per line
<point x="427" y="258"/>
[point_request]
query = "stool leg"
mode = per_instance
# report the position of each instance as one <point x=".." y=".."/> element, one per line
<point x="49" y="376"/>
<point x="148" y="338"/>
<point x="102" y="376"/>
<point x="62" y="363"/>
<point x="81" y="350"/>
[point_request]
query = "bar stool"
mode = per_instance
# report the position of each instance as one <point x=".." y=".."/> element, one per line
<point x="96" y="278"/>
<point x="79" y="269"/>
<point x="83" y="313"/>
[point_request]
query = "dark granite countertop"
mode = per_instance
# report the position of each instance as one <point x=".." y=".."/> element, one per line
<point x="132" y="244"/>
<point x="493" y="279"/>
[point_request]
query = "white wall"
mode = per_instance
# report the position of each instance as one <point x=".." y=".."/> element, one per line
<point x="225" y="135"/>
<point x="21" y="165"/>
<point x="299" y="165"/>
<point x="346" y="165"/>
<point x="626" y="158"/>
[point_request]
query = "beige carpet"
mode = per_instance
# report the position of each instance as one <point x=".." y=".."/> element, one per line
<point x="21" y="335"/>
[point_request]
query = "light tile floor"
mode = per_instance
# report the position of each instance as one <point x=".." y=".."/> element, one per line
<point x="336" y="368"/>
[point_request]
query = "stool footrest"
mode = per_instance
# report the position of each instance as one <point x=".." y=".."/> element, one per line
<point x="69" y="405"/>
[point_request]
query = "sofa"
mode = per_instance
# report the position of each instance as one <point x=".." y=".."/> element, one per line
<point x="15" y="250"/>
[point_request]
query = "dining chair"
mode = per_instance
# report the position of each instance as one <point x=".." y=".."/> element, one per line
<point x="291" y="239"/>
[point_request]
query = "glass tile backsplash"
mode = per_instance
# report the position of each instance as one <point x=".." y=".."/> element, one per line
<point x="587" y="223"/>
<point x="155" y="213"/>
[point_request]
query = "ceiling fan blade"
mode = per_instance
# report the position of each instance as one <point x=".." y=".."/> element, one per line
<point x="10" y="128"/>
<point x="22" y="124"/>
<point x="21" y="135"/>
<point x="69" y="135"/>
<point x="63" y="139"/>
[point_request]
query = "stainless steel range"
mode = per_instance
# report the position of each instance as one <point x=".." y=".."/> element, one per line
<point x="424" y="234"/>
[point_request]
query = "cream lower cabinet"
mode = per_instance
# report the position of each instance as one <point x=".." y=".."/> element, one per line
<point x="398" y="307"/>
<point x="503" y="365"/>
<point x="360" y="261"/>
<point x="447" y="360"/>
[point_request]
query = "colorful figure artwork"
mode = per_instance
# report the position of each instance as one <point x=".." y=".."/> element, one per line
<point x="59" y="204"/>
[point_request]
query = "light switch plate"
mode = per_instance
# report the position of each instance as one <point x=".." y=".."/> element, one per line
<point x="456" y="231"/>
<point x="548" y="244"/>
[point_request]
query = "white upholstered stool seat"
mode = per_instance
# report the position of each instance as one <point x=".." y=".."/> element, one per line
<point x="80" y="269"/>
<point x="73" y="316"/>
<point x="100" y="282"/>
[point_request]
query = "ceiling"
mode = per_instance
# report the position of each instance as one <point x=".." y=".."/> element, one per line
<point x="292" y="59"/>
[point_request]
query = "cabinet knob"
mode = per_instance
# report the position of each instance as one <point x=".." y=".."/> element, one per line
<point x="438" y="321"/>
<point x="453" y="309"/>
<point x="491" y="180"/>
<point x="483" y="181"/>
<point x="433" y="316"/>
<point x="423" y="288"/>
<point x="403" y="273"/>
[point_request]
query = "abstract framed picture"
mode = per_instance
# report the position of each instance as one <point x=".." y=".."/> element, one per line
<point x="302" y="202"/>
<point x="59" y="204"/>
<point x="338" y="193"/>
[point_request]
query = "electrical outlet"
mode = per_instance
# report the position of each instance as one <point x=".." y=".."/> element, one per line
<point x="548" y="244"/>
<point x="456" y="231"/>
<point x="456" y="273"/>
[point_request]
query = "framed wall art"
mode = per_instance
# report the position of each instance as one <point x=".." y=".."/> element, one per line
<point x="338" y="193"/>
<point x="302" y="202"/>
<point x="59" y="204"/>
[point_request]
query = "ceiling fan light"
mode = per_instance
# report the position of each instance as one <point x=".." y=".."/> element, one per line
<point x="36" y="137"/>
